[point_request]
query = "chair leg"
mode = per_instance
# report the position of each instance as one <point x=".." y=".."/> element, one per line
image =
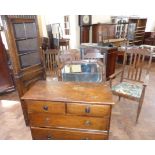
<point x="140" y="104"/>
<point x="119" y="98"/>
<point x="139" y="110"/>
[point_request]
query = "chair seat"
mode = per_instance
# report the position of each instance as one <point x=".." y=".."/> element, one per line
<point x="130" y="89"/>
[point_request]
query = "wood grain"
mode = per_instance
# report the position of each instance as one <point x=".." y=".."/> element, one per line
<point x="70" y="92"/>
<point x="61" y="134"/>
<point x="88" y="109"/>
<point x="48" y="107"/>
<point x="66" y="121"/>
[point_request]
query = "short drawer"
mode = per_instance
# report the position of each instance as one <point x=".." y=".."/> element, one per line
<point x="66" y="121"/>
<point x="60" y="134"/>
<point x="46" y="106"/>
<point x="88" y="110"/>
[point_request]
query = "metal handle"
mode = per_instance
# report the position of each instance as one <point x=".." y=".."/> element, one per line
<point x="87" y="109"/>
<point x="87" y="123"/>
<point x="86" y="138"/>
<point x="45" y="107"/>
<point x="49" y="137"/>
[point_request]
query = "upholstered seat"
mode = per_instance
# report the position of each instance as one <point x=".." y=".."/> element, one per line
<point x="128" y="89"/>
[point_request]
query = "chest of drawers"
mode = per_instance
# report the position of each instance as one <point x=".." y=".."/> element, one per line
<point x="69" y="111"/>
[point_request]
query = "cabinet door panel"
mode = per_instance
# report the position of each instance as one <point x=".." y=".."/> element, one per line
<point x="26" y="45"/>
<point x="31" y="30"/>
<point x="29" y="59"/>
<point x="19" y="30"/>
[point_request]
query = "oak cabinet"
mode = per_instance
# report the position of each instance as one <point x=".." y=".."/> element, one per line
<point x="23" y="37"/>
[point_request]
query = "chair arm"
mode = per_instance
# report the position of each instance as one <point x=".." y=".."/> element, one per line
<point x="115" y="74"/>
<point x="112" y="76"/>
<point x="60" y="66"/>
<point x="146" y="80"/>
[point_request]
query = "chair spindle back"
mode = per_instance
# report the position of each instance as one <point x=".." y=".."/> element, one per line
<point x="135" y="58"/>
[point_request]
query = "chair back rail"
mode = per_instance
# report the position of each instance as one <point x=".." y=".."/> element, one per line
<point x="50" y="62"/>
<point x="137" y="63"/>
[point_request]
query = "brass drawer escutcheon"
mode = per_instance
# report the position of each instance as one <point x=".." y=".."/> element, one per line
<point x="87" y="109"/>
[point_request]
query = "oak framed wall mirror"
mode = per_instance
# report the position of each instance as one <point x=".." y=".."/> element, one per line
<point x="23" y="38"/>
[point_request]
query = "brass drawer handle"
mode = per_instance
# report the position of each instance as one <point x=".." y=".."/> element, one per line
<point x="45" y="107"/>
<point x="87" y="123"/>
<point x="87" y="109"/>
<point x="49" y="137"/>
<point x="86" y="138"/>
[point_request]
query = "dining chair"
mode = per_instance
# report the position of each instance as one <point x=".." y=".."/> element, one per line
<point x="134" y="76"/>
<point x="50" y="61"/>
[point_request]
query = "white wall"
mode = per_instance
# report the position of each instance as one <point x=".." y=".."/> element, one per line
<point x="75" y="31"/>
<point x="101" y="19"/>
<point x="51" y="19"/>
<point x="150" y="25"/>
<point x="43" y="21"/>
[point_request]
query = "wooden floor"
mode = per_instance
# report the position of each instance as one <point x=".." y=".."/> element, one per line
<point x="123" y="125"/>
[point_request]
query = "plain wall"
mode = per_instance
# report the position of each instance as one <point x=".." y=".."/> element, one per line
<point x="150" y="25"/>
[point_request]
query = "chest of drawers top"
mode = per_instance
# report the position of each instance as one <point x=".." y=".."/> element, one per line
<point x="92" y="93"/>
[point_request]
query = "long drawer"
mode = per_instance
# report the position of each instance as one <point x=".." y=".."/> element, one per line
<point x="88" y="110"/>
<point x="68" y="121"/>
<point x="46" y="106"/>
<point x="60" y="134"/>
